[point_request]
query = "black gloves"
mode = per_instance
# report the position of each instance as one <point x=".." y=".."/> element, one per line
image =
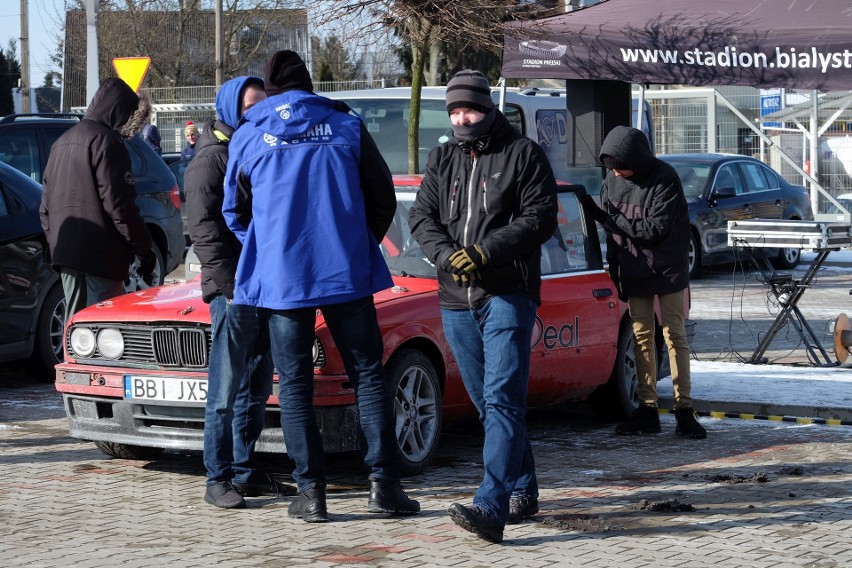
<point x="467" y="260"/>
<point x="592" y="207"/>
<point x="147" y="264"/>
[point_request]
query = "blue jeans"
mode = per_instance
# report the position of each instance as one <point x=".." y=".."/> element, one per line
<point x="238" y="385"/>
<point x="355" y="331"/>
<point x="491" y="345"/>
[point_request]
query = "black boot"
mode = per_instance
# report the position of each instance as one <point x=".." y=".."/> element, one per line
<point x="645" y="420"/>
<point x="388" y="497"/>
<point x="687" y="425"/>
<point x="309" y="506"/>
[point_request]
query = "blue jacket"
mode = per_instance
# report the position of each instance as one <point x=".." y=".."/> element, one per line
<point x="309" y="207"/>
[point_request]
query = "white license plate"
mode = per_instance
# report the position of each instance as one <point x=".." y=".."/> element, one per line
<point x="169" y="389"/>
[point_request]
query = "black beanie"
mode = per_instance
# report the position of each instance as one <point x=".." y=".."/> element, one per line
<point x="469" y="89"/>
<point x="285" y="71"/>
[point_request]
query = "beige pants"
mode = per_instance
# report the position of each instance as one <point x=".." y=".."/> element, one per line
<point x="674" y="333"/>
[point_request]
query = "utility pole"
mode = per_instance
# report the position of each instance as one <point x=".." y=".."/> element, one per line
<point x="220" y="47"/>
<point x="92" y="68"/>
<point x="25" y="59"/>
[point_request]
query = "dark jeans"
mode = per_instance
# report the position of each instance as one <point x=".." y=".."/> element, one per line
<point x="238" y="386"/>
<point x="491" y="345"/>
<point x="356" y="334"/>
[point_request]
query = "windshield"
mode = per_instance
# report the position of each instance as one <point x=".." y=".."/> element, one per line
<point x="400" y="248"/>
<point x="387" y="123"/>
<point x="693" y="176"/>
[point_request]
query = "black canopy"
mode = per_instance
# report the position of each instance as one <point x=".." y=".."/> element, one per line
<point x="803" y="44"/>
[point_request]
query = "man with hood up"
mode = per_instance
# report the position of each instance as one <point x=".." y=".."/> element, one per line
<point x="310" y="198"/>
<point x="88" y="207"/>
<point x="647" y="223"/>
<point x="240" y="369"/>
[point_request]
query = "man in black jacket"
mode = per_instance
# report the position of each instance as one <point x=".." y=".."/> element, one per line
<point x="240" y="368"/>
<point x="88" y="207"/>
<point x="486" y="204"/>
<point x="647" y="223"/>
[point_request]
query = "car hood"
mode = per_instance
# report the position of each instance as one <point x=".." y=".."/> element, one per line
<point x="181" y="302"/>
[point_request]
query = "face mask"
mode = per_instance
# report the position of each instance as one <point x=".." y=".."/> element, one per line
<point x="470" y="132"/>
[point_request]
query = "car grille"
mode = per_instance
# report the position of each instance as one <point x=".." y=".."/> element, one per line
<point x="174" y="347"/>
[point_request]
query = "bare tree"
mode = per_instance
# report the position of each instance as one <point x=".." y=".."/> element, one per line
<point x="424" y="25"/>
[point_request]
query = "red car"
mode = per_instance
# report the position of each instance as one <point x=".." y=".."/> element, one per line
<point x="134" y="377"/>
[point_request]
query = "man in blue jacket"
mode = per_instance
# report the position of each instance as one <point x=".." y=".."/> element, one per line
<point x="240" y="370"/>
<point x="310" y="198"/>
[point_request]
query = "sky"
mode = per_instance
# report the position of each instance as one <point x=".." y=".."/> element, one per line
<point x="44" y="23"/>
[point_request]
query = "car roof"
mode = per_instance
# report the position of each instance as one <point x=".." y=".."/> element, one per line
<point x="41" y="117"/>
<point x="708" y="158"/>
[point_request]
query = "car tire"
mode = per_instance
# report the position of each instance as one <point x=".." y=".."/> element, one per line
<point x="48" y="347"/>
<point x="128" y="452"/>
<point x="618" y="398"/>
<point x="694" y="256"/>
<point x="787" y="258"/>
<point x="417" y="409"/>
<point x="134" y="282"/>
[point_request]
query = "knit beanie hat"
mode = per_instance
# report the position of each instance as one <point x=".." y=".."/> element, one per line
<point x="190" y="129"/>
<point x="285" y="71"/>
<point x="469" y="89"/>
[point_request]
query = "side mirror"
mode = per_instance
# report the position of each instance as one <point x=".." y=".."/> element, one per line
<point x="721" y="192"/>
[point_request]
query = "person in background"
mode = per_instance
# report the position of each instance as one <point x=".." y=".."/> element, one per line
<point x="240" y="369"/>
<point x="310" y="197"/>
<point x="644" y="213"/>
<point x="191" y="135"/>
<point x="93" y="226"/>
<point x="151" y="135"/>
<point x="486" y="205"/>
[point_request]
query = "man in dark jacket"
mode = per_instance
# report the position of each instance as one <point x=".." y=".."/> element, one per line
<point x="486" y="204"/>
<point x="88" y="207"/>
<point x="647" y="223"/>
<point x="240" y="370"/>
<point x="310" y="198"/>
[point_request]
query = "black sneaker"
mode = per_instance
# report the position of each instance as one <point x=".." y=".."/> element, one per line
<point x="521" y="507"/>
<point x="388" y="497"/>
<point x="477" y="520"/>
<point x="265" y="488"/>
<point x="222" y="494"/>
<point x="687" y="425"/>
<point x="309" y="506"/>
<point x="645" y="420"/>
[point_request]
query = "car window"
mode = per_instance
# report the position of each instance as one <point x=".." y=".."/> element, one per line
<point x="387" y="122"/>
<point x="727" y="176"/>
<point x="19" y="149"/>
<point x="693" y="177"/>
<point x="755" y="177"/>
<point x="565" y="251"/>
<point x="552" y="129"/>
<point x="4" y="209"/>
<point x="51" y="135"/>
<point x="515" y="117"/>
<point x="136" y="161"/>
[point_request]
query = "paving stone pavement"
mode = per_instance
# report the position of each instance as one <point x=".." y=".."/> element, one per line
<point x="764" y="494"/>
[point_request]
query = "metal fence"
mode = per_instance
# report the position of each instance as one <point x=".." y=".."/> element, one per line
<point x="690" y="120"/>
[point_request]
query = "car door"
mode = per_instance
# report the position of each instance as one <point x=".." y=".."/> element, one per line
<point x="573" y="344"/>
<point x="22" y="272"/>
<point x="763" y="189"/>
<point x="729" y="201"/>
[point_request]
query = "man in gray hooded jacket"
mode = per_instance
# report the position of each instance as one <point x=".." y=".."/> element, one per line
<point x="645" y="216"/>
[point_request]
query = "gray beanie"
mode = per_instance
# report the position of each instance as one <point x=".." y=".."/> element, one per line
<point x="469" y="89"/>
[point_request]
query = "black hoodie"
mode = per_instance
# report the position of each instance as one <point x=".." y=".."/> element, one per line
<point x="88" y="207"/>
<point x="648" y="221"/>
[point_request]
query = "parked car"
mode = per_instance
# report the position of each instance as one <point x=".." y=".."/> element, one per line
<point x="727" y="187"/>
<point x="25" y="142"/>
<point x="134" y="378"/>
<point x="178" y="168"/>
<point x="32" y="304"/>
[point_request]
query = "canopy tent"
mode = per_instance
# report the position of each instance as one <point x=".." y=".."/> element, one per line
<point x="804" y="44"/>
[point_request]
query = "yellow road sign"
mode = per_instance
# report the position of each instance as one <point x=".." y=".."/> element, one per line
<point x="131" y="69"/>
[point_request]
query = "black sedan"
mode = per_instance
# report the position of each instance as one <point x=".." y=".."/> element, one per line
<point x="32" y="305"/>
<point x="726" y="187"/>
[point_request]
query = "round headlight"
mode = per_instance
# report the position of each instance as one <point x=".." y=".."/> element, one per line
<point x="83" y="341"/>
<point x="110" y="343"/>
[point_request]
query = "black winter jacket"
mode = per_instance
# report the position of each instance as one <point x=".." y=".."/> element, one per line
<point x="88" y="206"/>
<point x="648" y="221"/>
<point x="216" y="246"/>
<point x="499" y="193"/>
